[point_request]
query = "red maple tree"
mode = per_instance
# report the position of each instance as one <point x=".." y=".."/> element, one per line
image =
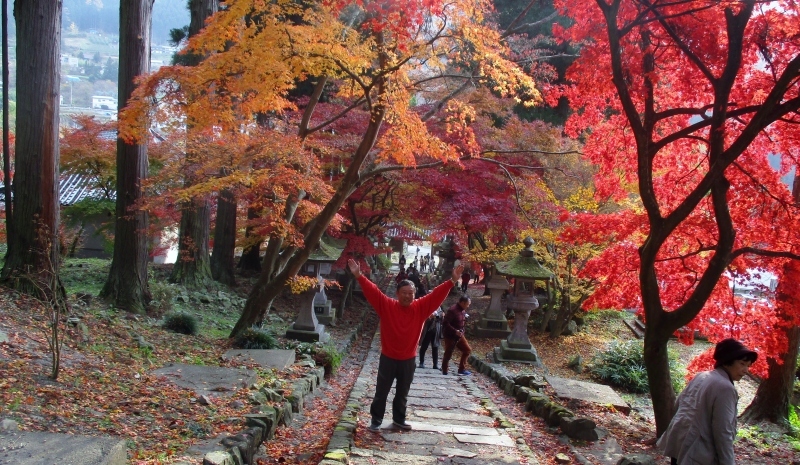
<point x="681" y="105"/>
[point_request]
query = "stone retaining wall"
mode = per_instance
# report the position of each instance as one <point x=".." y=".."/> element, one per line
<point x="527" y="390"/>
<point x="239" y="449"/>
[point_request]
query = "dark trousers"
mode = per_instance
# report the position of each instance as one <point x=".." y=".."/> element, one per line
<point x="463" y="346"/>
<point x="427" y="340"/>
<point x="390" y="369"/>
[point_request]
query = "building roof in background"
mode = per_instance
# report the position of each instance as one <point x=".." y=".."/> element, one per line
<point x="73" y="188"/>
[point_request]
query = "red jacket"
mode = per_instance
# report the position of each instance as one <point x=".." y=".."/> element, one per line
<point x="401" y="326"/>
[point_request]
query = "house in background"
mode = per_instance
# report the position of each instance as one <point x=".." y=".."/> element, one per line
<point x="104" y="102"/>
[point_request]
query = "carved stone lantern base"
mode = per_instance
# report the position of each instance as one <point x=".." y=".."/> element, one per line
<point x="507" y="353"/>
<point x="492" y="327"/>
<point x="303" y="335"/>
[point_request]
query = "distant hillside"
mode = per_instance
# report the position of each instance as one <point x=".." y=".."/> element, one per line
<point x="103" y="15"/>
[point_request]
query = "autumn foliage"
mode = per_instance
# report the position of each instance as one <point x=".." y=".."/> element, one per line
<point x="683" y="107"/>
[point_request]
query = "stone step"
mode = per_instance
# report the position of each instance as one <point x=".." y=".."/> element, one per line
<point x="637" y="331"/>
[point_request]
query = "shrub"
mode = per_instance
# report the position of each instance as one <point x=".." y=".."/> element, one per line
<point x="163" y="296"/>
<point x="622" y="365"/>
<point x="328" y="357"/>
<point x="383" y="262"/>
<point x="181" y="323"/>
<point x="255" y="339"/>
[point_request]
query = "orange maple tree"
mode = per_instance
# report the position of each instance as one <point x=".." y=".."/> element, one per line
<point x="682" y="104"/>
<point x="366" y="63"/>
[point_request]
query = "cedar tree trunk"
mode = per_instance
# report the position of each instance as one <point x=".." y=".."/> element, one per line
<point x="127" y="279"/>
<point x="222" y="261"/>
<point x="33" y="236"/>
<point x="193" y="267"/>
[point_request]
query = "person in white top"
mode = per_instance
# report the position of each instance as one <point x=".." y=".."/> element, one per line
<point x="704" y="426"/>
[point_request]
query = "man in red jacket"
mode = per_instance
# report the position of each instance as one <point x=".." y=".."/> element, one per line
<point x="401" y="326"/>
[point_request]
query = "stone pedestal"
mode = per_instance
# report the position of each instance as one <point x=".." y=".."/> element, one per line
<point x="307" y="328"/>
<point x="493" y="322"/>
<point x="325" y="312"/>
<point x="517" y="347"/>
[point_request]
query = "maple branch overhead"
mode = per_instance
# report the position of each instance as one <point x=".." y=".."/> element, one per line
<point x="514" y="23"/>
<point x="541" y="152"/>
<point x="333" y="119"/>
<point x="441" y="103"/>
<point x="764" y="253"/>
<point x="651" y="7"/>
<point x="512" y="29"/>
<point x="385" y="169"/>
<point x="763" y="188"/>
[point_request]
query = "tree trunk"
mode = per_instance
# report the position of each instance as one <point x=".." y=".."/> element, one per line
<point x="193" y="267"/>
<point x="33" y="236"/>
<point x="251" y="256"/>
<point x="127" y="280"/>
<point x="222" y="260"/>
<point x="6" y="136"/>
<point x="772" y="398"/>
<point x="656" y="362"/>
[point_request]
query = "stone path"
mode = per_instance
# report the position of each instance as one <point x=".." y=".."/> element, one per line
<point x="453" y="422"/>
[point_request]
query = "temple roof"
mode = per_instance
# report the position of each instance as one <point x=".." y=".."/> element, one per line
<point x="329" y="250"/>
<point x="524" y="265"/>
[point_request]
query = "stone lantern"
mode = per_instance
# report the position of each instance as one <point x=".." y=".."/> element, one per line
<point x="446" y="251"/>
<point x="493" y="322"/>
<point x="316" y="310"/>
<point x="532" y="282"/>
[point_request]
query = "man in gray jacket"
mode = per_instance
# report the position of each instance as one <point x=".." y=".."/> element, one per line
<point x="704" y="426"/>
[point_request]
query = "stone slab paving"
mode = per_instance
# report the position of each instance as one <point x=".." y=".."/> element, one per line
<point x="454" y="418"/>
<point x="589" y="392"/>
<point x="39" y="448"/>
<point x="207" y="380"/>
<point x="266" y="358"/>
<point x="449" y="420"/>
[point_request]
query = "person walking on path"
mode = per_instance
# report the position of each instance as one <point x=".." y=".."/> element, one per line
<point x="704" y="425"/>
<point x="465" y="277"/>
<point x="453" y="333"/>
<point x="401" y="323"/>
<point x="431" y="336"/>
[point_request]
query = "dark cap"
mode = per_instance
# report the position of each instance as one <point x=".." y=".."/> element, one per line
<point x="729" y="350"/>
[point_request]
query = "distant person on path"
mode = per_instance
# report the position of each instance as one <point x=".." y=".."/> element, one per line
<point x="401" y="275"/>
<point x="704" y="426"/>
<point x="465" y="277"/>
<point x="401" y="326"/>
<point x="402" y="261"/>
<point x="431" y="336"/>
<point x="453" y="333"/>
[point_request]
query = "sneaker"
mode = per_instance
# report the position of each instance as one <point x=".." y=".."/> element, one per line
<point x="464" y="372"/>
<point x="374" y="427"/>
<point x="435" y="367"/>
<point x="422" y="365"/>
<point x="444" y="372"/>
<point x="402" y="425"/>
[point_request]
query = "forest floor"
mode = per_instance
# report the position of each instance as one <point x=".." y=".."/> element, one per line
<point x="104" y="385"/>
